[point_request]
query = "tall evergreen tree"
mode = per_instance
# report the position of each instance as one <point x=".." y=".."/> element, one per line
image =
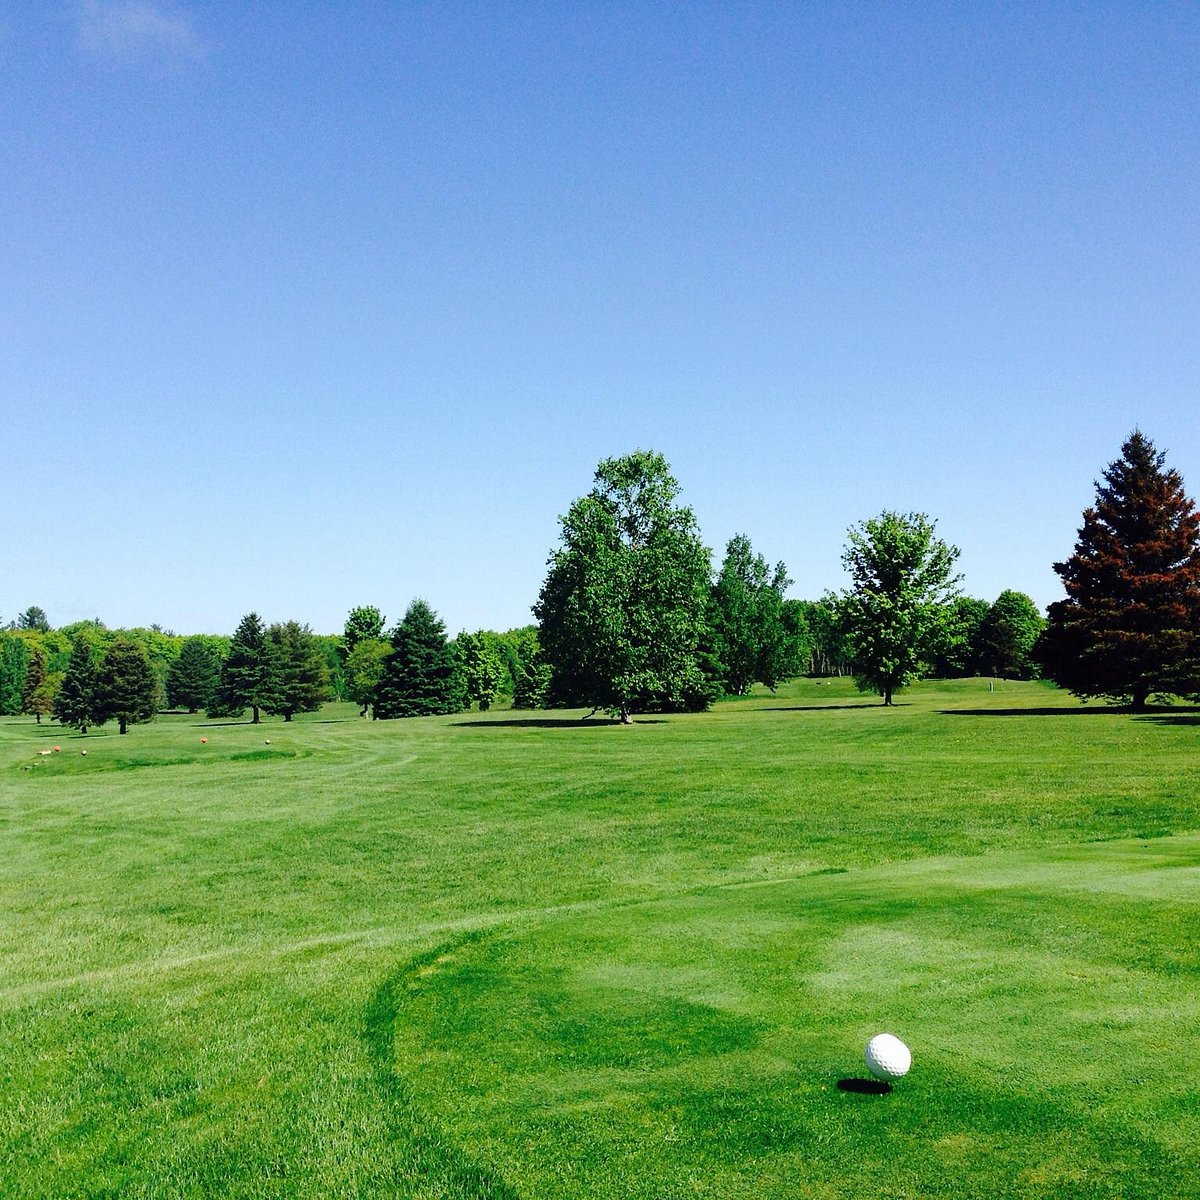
<point x="896" y="609"/>
<point x="193" y="677"/>
<point x="77" y="702"/>
<point x="750" y="639"/>
<point x="1131" y="619"/>
<point x="421" y="676"/>
<point x="1007" y="636"/>
<point x="35" y="698"/>
<point x="34" y="618"/>
<point x="623" y="610"/>
<point x="125" y="685"/>
<point x="247" y="674"/>
<point x="300" y="676"/>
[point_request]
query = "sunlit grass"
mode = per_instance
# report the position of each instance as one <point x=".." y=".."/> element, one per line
<point x="519" y="955"/>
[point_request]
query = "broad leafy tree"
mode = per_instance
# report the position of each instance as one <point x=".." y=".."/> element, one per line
<point x="247" y="674"/>
<point x="818" y="628"/>
<point x="364" y="669"/>
<point x="622" y="612"/>
<point x="299" y="674"/>
<point x="193" y="677"/>
<point x="482" y="667"/>
<point x="422" y="675"/>
<point x="78" y="703"/>
<point x="125" y="685"/>
<point x="363" y="622"/>
<point x="1131" y="617"/>
<point x="902" y="581"/>
<point x="957" y="652"/>
<point x="1007" y="636"/>
<point x="36" y="699"/>
<point x="750" y="640"/>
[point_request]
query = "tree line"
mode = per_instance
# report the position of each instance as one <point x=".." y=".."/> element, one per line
<point x="632" y="617"/>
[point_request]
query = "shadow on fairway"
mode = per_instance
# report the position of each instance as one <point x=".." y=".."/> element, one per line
<point x="825" y="707"/>
<point x="1034" y="712"/>
<point x="864" y="1087"/>
<point x="553" y="723"/>
<point x="1180" y="716"/>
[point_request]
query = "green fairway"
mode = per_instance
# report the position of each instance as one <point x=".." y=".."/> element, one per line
<point x="521" y="955"/>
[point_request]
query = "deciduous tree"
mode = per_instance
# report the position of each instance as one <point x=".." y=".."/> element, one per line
<point x="364" y="670"/>
<point x="363" y="622"/>
<point x="1007" y="636"/>
<point x="902" y="581"/>
<point x="622" y="612"/>
<point x="1129" y="625"/>
<point x="482" y="666"/>
<point x="750" y="640"/>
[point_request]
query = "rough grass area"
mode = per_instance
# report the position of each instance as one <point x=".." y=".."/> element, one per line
<point x="521" y="955"/>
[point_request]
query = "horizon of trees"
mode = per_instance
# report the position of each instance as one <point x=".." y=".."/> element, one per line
<point x="676" y="632"/>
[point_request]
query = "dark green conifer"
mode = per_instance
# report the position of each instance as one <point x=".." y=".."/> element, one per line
<point x="125" y="685"/>
<point x="247" y="674"/>
<point x="77" y="702"/>
<point x="193" y="677"/>
<point x="421" y="675"/>
<point x="299" y="671"/>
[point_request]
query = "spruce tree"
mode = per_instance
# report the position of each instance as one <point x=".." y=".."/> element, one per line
<point x="300" y="676"/>
<point x="125" y="685"/>
<point x="422" y="675"/>
<point x="1130" y="622"/>
<point x="77" y="702"/>
<point x="193" y="677"/>
<point x="247" y="674"/>
<point x="35" y="698"/>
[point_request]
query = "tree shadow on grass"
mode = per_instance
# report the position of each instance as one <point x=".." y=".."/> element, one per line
<point x="828" y="707"/>
<point x="1189" y="717"/>
<point x="555" y="723"/>
<point x="1081" y="711"/>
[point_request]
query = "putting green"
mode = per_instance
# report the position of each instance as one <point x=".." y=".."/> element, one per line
<point x="694" y="1046"/>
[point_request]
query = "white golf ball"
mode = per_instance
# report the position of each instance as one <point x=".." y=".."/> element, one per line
<point x="887" y="1056"/>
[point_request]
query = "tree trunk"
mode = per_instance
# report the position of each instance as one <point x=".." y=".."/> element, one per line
<point x="1137" y="702"/>
<point x="124" y="725"/>
<point x="254" y="721"/>
<point x="626" y="717"/>
<point x="287" y="716"/>
<point x="887" y="697"/>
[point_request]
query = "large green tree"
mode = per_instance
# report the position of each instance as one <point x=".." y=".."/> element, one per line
<point x="1007" y="635"/>
<point x="482" y="667"/>
<point x="750" y="639"/>
<point x="193" y="677"/>
<point x="421" y="676"/>
<point x="78" y="702"/>
<point x="902" y="581"/>
<point x="36" y="698"/>
<point x="247" y="674"/>
<point x="1130" y="622"/>
<point x="363" y="622"/>
<point x="34" y="618"/>
<point x="299" y="673"/>
<point x="622" y="612"/>
<point x="125" y="685"/>
<point x="958" y="650"/>
<point x="364" y="669"/>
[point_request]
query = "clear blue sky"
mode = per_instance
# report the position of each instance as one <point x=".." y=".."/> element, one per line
<point x="305" y="306"/>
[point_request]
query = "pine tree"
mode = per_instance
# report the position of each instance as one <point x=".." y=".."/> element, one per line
<point x="193" y="677"/>
<point x="125" y="685"/>
<point x="1131" y="619"/>
<point x="422" y="675"/>
<point x="247" y="674"/>
<point x="35" y="697"/>
<point x="77" y="702"/>
<point x="300" y="676"/>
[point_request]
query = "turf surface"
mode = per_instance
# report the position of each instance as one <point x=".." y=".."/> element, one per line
<point x="520" y="955"/>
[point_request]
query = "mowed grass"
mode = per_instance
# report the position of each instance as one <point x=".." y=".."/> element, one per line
<point x="520" y="955"/>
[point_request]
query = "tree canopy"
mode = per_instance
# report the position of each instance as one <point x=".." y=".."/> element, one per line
<point x="77" y="703"/>
<point x="421" y="676"/>
<point x="895" y="610"/>
<point x="1128" y="627"/>
<point x="247" y="675"/>
<point x="299" y="681"/>
<point x="622" y="612"/>
<point x="125" y="685"/>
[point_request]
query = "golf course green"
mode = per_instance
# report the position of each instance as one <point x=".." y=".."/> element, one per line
<point x="527" y="955"/>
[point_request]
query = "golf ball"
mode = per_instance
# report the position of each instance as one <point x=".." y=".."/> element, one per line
<point x="887" y="1056"/>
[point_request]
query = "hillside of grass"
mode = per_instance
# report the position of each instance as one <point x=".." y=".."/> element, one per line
<point x="524" y="954"/>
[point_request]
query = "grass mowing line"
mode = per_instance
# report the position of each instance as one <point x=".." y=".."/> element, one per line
<point x="993" y="870"/>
